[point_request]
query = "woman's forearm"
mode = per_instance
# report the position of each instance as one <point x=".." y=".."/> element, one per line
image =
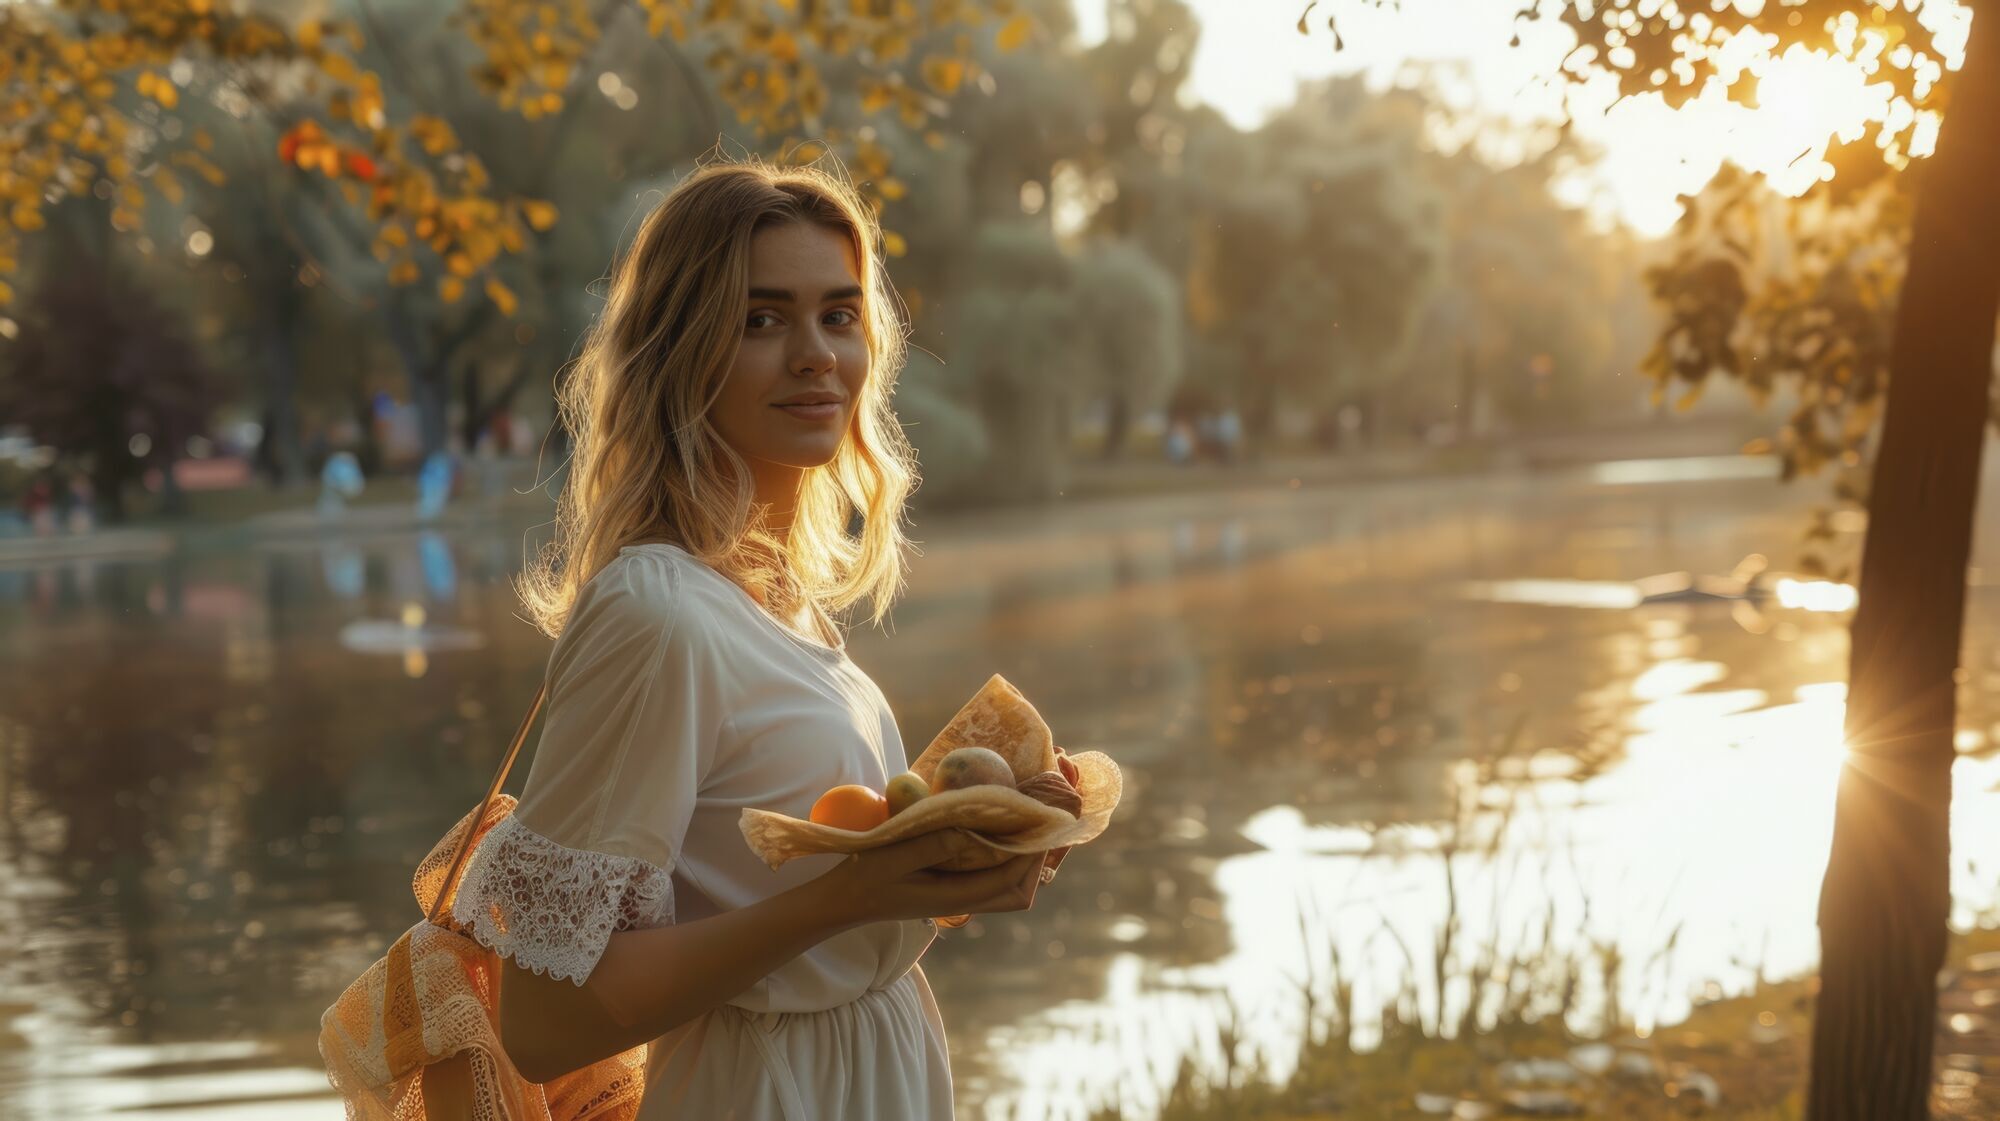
<point x="649" y="982"/>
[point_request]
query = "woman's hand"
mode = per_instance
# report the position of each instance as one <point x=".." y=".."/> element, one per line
<point x="1069" y="774"/>
<point x="1051" y="860"/>
<point x="901" y="881"/>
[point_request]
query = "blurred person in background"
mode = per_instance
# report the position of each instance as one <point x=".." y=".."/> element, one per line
<point x="82" y="513"/>
<point x="38" y="505"/>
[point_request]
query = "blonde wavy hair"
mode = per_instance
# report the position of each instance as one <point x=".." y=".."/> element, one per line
<point x="647" y="463"/>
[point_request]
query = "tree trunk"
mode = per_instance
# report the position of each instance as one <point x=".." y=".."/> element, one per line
<point x="1886" y="895"/>
<point x="472" y="418"/>
<point x="368" y="452"/>
<point x="1117" y="420"/>
<point x="427" y="360"/>
<point x="430" y="390"/>
<point x="483" y="412"/>
<point x="108" y="478"/>
<point x="279" y="448"/>
<point x="282" y="307"/>
<point x="1468" y="395"/>
<point x="1026" y="425"/>
<point x="173" y="500"/>
<point x="1260" y="406"/>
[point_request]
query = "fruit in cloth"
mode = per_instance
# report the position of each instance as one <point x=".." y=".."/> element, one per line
<point x="1050" y="788"/>
<point x="906" y="790"/>
<point x="852" y="807"/>
<point x="1000" y="719"/>
<point x="1068" y="768"/>
<point x="971" y="766"/>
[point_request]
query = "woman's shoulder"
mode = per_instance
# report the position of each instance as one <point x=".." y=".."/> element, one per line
<point x="641" y="606"/>
<point x="652" y="585"/>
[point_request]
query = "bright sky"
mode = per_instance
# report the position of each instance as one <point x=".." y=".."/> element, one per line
<point x="1250" y="55"/>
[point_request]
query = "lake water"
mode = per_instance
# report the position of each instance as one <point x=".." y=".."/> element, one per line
<point x="1354" y="721"/>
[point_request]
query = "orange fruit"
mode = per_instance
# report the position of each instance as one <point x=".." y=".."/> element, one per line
<point x="853" y="807"/>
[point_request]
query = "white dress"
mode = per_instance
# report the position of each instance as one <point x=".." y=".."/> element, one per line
<point x="675" y="701"/>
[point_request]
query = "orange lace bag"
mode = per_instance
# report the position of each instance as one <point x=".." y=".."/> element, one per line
<point x="430" y="1007"/>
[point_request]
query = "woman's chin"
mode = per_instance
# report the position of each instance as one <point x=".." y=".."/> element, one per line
<point x="806" y="456"/>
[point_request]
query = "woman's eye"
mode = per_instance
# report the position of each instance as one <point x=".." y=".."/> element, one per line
<point x="759" y="315"/>
<point x="851" y="320"/>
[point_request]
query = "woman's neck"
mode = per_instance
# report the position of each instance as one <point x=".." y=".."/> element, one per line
<point x="776" y="491"/>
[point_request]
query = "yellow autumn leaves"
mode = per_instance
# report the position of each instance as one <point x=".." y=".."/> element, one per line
<point x="1015" y="32"/>
<point x="450" y="288"/>
<point x="421" y="190"/>
<point x="158" y="87"/>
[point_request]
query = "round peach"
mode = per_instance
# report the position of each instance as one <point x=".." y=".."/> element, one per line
<point x="971" y="766"/>
<point x="906" y="790"/>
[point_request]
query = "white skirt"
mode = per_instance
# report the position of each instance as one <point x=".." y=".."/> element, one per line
<point x="881" y="1056"/>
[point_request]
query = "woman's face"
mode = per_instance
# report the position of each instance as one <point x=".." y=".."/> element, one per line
<point x="801" y="336"/>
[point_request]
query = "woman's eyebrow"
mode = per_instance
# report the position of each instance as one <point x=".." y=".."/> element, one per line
<point x="786" y="295"/>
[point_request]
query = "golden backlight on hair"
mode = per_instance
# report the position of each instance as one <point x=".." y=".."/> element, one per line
<point x="647" y="464"/>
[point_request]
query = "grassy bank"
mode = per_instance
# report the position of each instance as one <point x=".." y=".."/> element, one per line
<point x="1740" y="1058"/>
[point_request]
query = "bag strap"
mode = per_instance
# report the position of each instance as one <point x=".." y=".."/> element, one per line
<point x="492" y="792"/>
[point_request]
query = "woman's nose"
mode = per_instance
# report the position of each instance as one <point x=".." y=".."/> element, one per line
<point x="813" y="357"/>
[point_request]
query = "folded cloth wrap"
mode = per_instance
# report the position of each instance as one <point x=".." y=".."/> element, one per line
<point x="1007" y="822"/>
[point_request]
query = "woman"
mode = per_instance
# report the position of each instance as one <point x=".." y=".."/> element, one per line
<point x="730" y="415"/>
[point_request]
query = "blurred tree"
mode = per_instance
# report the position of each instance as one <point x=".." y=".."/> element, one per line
<point x="989" y="192"/>
<point x="1028" y="114"/>
<point x="1015" y="329"/>
<point x="1135" y="168"/>
<point x="91" y="88"/>
<point x="1016" y="141"/>
<point x="582" y="160"/>
<point x="1311" y="251"/>
<point x="1886" y="897"/>
<point x="89" y="101"/>
<point x="1790" y="294"/>
<point x="1299" y="249"/>
<point x="932" y="402"/>
<point x="1041" y="331"/>
<point x="1127" y="310"/>
<point x="243" y="241"/>
<point x="1503" y="335"/>
<point x="105" y="372"/>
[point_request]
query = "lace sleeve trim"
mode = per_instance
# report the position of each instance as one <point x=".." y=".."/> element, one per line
<point x="550" y="908"/>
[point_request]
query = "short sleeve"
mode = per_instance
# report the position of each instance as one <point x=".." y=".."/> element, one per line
<point x="627" y="740"/>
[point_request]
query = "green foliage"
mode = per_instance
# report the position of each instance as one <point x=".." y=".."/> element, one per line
<point x="1074" y="236"/>
<point x="132" y="375"/>
<point x="1792" y="298"/>
<point x="1777" y="293"/>
<point x="1532" y="310"/>
<point x="1311" y="248"/>
<point x="951" y="442"/>
<point x="423" y="147"/>
<point x="1127" y="312"/>
<point x="1013" y="334"/>
<point x="1780" y="293"/>
<point x="1675" y="50"/>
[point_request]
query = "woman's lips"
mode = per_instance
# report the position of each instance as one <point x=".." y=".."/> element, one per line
<point x="826" y="410"/>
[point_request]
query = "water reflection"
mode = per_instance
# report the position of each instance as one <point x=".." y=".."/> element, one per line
<point x="1556" y="593"/>
<point x="220" y="765"/>
<point x="1690" y="869"/>
<point x="1817" y="595"/>
<point x="346" y="570"/>
<point x="1684" y="469"/>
